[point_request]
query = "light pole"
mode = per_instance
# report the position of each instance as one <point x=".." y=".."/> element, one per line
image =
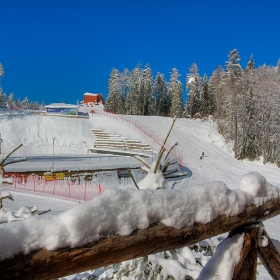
<point x="53" y="156"/>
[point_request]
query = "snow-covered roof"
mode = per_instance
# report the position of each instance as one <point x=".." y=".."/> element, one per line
<point x="92" y="94"/>
<point x="61" y="105"/>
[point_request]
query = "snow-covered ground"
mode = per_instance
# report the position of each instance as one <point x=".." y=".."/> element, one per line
<point x="73" y="136"/>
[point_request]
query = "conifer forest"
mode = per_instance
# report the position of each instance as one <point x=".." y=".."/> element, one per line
<point x="244" y="102"/>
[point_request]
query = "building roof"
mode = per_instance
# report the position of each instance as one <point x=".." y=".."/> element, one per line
<point x="61" y="105"/>
<point x="92" y="94"/>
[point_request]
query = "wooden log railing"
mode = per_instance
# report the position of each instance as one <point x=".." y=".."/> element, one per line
<point x="44" y="264"/>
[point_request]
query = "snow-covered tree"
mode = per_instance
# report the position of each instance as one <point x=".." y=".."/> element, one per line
<point x="251" y="63"/>
<point x="25" y="103"/>
<point x="193" y="83"/>
<point x="163" y="101"/>
<point x="113" y="101"/>
<point x="11" y="100"/>
<point x="215" y="87"/>
<point x="232" y="91"/>
<point x="1" y="71"/>
<point x="146" y="88"/>
<point x="176" y="93"/>
<point x="124" y="89"/>
<point x="3" y="97"/>
<point x="133" y="98"/>
<point x="207" y="101"/>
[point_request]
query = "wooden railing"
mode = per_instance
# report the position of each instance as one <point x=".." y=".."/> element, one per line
<point x="44" y="264"/>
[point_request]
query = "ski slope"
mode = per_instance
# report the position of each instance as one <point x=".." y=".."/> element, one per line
<point x="73" y="136"/>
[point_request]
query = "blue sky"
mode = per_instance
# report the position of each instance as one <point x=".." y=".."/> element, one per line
<point x="56" y="50"/>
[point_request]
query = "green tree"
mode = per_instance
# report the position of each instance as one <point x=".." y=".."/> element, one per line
<point x="163" y="101"/>
<point x="193" y="86"/>
<point x="113" y="101"/>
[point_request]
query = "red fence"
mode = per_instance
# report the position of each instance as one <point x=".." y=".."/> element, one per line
<point x="62" y="188"/>
<point x="144" y="131"/>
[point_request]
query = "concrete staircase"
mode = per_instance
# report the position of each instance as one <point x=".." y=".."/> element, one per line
<point x="113" y="143"/>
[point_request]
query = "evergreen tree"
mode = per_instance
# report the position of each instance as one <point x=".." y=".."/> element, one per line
<point x="24" y="103"/>
<point x="163" y="101"/>
<point x="215" y="87"/>
<point x="232" y="91"/>
<point x="176" y="93"/>
<point x="125" y="85"/>
<point x="3" y="98"/>
<point x="113" y="101"/>
<point x="193" y="88"/>
<point x="11" y="100"/>
<point x="278" y="67"/>
<point x="251" y="63"/>
<point x="207" y="106"/>
<point x="147" y="86"/>
<point x="133" y="100"/>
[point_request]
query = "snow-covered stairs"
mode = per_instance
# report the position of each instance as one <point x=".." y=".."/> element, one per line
<point x="106" y="141"/>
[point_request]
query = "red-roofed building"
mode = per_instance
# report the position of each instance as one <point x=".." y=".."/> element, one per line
<point x="92" y="99"/>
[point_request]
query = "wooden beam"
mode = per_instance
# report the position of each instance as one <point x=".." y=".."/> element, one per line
<point x="270" y="258"/>
<point x="44" y="264"/>
<point x="246" y="269"/>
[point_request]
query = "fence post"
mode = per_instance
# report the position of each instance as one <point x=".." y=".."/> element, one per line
<point x="53" y="186"/>
<point x="14" y="177"/>
<point x="69" y="185"/>
<point x="85" y="192"/>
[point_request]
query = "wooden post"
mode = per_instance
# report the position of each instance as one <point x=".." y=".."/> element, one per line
<point x="246" y="268"/>
<point x="270" y="258"/>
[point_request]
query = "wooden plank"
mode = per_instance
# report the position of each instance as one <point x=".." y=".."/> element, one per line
<point x="270" y="258"/>
<point x="44" y="264"/>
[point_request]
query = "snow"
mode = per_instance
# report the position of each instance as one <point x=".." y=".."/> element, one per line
<point x="191" y="80"/>
<point x="218" y="184"/>
<point x="122" y="211"/>
<point x="227" y="255"/>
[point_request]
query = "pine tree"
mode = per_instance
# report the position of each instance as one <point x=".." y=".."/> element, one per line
<point x="215" y="87"/>
<point x="24" y="103"/>
<point x="147" y="86"/>
<point x="113" y="99"/>
<point x="251" y="63"/>
<point x="163" y="101"/>
<point x="133" y="100"/>
<point x="3" y="98"/>
<point x="207" y="106"/>
<point x="124" y="90"/>
<point x="193" y="88"/>
<point x="278" y="67"/>
<point x="176" y="93"/>
<point x="11" y="100"/>
<point x="232" y="91"/>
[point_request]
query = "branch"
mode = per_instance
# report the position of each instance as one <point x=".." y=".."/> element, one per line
<point x="158" y="159"/>
<point x="170" y="150"/>
<point x="142" y="161"/>
<point x="164" y="142"/>
<point x="6" y="156"/>
<point x="132" y="178"/>
<point x="44" y="264"/>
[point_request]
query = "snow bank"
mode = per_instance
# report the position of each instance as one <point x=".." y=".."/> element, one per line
<point x="122" y="211"/>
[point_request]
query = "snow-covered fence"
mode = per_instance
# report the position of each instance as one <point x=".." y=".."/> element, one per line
<point x="144" y="131"/>
<point x="110" y="249"/>
<point x="77" y="190"/>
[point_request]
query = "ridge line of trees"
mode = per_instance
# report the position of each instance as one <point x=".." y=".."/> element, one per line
<point x="244" y="102"/>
